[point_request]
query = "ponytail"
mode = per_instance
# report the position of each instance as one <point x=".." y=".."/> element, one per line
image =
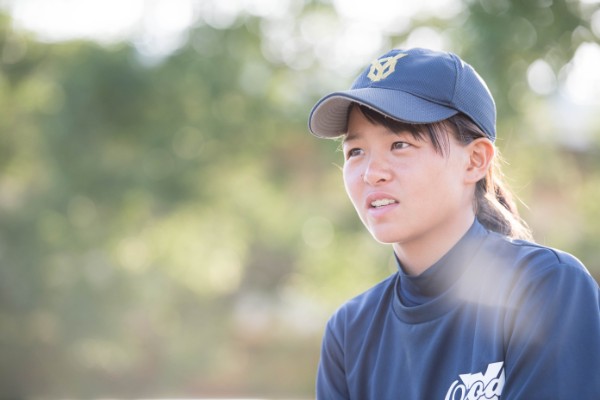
<point x="494" y="204"/>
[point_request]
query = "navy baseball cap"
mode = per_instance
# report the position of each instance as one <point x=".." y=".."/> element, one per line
<point x="418" y="86"/>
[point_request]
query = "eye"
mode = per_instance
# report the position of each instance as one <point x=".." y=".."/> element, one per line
<point x="353" y="152"/>
<point x="399" y="145"/>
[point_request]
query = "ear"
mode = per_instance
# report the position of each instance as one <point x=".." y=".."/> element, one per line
<point x="481" y="153"/>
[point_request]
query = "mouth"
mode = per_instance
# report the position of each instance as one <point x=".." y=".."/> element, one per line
<point x="379" y="203"/>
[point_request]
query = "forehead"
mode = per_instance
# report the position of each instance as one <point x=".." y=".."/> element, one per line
<point x="361" y="126"/>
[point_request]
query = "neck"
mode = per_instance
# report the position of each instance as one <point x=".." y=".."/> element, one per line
<point x="420" y="253"/>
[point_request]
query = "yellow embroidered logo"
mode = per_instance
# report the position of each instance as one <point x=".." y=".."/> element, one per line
<point x="382" y="68"/>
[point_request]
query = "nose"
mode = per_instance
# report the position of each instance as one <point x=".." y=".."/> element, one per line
<point x="376" y="172"/>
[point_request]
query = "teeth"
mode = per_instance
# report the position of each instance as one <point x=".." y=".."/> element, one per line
<point x="382" y="202"/>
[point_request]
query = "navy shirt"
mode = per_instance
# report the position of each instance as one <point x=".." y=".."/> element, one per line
<point x="494" y="318"/>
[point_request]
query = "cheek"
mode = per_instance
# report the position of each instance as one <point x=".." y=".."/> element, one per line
<point x="352" y="183"/>
<point x="428" y="185"/>
<point x="446" y="183"/>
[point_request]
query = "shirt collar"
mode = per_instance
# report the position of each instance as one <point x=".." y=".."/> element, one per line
<point x="435" y="280"/>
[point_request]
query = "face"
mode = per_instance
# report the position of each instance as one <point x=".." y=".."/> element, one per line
<point x="405" y="192"/>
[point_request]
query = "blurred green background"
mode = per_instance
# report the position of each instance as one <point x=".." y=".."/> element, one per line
<point x="168" y="226"/>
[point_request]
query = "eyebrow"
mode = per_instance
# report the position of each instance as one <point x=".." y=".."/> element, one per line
<point x="351" y="136"/>
<point x="348" y="137"/>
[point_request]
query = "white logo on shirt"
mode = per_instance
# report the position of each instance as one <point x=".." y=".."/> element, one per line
<point x="479" y="386"/>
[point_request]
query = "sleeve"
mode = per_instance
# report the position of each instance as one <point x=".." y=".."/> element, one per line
<point x="553" y="345"/>
<point x="331" y="375"/>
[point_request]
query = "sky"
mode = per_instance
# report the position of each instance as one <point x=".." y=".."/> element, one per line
<point x="153" y="24"/>
<point x="158" y="27"/>
<point x="110" y="20"/>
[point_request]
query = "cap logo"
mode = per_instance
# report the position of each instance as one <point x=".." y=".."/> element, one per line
<point x="383" y="67"/>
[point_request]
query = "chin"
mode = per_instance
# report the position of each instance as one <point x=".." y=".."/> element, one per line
<point x="385" y="237"/>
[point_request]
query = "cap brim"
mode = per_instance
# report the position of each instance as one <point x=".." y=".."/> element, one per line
<point x="329" y="116"/>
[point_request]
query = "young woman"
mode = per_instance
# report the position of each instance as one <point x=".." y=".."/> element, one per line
<point x="476" y="309"/>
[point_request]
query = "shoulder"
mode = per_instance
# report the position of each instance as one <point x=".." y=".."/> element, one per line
<point x="550" y="311"/>
<point x="511" y="273"/>
<point x="532" y="257"/>
<point x="529" y="265"/>
<point x="362" y="308"/>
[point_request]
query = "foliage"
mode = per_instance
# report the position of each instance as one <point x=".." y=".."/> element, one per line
<point x="173" y="230"/>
